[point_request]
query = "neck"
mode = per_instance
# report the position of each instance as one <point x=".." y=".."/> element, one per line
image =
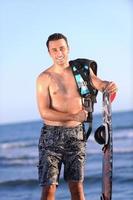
<point x="60" y="68"/>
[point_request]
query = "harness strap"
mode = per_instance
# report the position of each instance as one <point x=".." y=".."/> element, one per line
<point x="81" y="71"/>
<point x="85" y="77"/>
<point x="89" y="130"/>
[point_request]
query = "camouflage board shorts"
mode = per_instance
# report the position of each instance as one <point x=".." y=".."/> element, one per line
<point x="61" y="145"/>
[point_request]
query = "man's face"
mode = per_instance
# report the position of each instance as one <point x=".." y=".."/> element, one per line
<point x="59" y="50"/>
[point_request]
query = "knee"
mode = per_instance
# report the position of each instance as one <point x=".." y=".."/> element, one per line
<point x="74" y="186"/>
<point x="48" y="191"/>
<point x="76" y="189"/>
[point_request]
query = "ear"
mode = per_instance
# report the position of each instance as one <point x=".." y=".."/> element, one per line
<point x="49" y="53"/>
<point x="68" y="49"/>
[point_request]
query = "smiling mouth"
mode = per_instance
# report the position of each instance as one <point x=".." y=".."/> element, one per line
<point x="60" y="59"/>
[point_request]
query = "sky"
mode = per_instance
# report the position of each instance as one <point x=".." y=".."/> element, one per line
<point x="96" y="29"/>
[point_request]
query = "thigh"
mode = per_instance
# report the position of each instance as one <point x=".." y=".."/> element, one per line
<point x="50" y="157"/>
<point x="75" y="155"/>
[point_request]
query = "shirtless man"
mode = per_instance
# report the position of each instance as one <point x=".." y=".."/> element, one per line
<point x="62" y="136"/>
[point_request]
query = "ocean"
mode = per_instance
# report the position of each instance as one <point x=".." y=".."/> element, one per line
<point x="19" y="159"/>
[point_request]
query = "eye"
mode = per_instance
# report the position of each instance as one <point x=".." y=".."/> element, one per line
<point x="62" y="48"/>
<point x="54" y="50"/>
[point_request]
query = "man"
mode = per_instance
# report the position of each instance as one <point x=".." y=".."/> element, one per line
<point x="62" y="136"/>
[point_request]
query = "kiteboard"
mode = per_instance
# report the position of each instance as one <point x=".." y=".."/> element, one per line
<point x="103" y="135"/>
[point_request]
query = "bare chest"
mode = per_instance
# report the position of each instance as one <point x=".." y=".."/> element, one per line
<point x="63" y="86"/>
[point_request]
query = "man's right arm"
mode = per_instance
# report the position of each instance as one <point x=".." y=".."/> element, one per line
<point x="43" y="100"/>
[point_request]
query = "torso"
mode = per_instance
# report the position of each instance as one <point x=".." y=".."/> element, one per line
<point x="64" y="95"/>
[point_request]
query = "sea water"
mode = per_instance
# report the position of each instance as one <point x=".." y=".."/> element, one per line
<point x="19" y="159"/>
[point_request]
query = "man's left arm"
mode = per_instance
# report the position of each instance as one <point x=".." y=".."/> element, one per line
<point x="102" y="85"/>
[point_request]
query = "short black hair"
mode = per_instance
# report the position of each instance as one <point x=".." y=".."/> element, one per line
<point x="56" y="36"/>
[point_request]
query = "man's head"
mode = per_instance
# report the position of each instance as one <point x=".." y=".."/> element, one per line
<point x="58" y="48"/>
<point x="54" y="37"/>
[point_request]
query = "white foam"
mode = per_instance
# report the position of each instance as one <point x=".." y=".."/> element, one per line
<point x="10" y="145"/>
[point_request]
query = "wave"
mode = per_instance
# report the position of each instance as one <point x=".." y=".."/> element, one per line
<point x="19" y="144"/>
<point x="119" y="127"/>
<point x="120" y="120"/>
<point x="32" y="161"/>
<point x="18" y="161"/>
<point x="19" y="182"/>
<point x="118" y="135"/>
<point x="123" y="150"/>
<point x="115" y="150"/>
<point x="91" y="179"/>
<point x="123" y="134"/>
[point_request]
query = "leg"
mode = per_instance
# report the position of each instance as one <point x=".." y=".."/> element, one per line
<point x="48" y="192"/>
<point x="76" y="189"/>
<point x="74" y="162"/>
<point x="50" y="161"/>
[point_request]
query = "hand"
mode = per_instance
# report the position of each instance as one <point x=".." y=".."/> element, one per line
<point x="111" y="88"/>
<point x="81" y="116"/>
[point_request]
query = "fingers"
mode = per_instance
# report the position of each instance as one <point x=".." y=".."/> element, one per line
<point x="81" y="116"/>
<point x="86" y="115"/>
<point x="111" y="88"/>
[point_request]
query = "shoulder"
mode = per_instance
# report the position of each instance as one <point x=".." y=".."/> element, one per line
<point x="44" y="76"/>
<point x="43" y="82"/>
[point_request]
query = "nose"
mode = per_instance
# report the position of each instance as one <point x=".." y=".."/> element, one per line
<point x="59" y="53"/>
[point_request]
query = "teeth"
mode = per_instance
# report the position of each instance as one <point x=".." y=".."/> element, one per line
<point x="60" y="58"/>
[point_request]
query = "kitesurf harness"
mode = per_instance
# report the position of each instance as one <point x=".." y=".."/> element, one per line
<point x="81" y="71"/>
